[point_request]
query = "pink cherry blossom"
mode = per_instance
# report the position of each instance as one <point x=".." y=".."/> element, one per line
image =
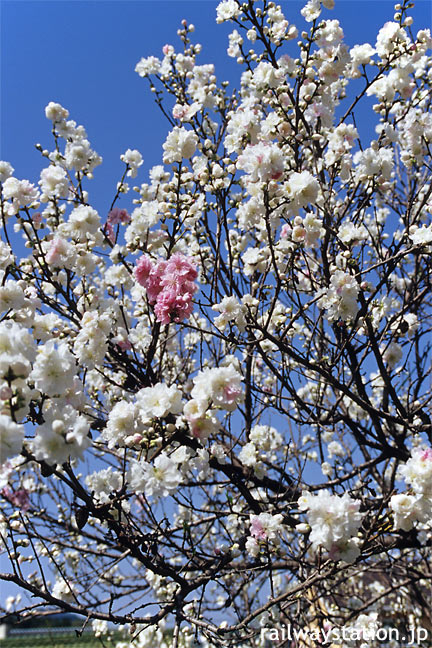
<point x="182" y="266"/>
<point x="154" y="282"/>
<point x="57" y="248"/>
<point x="169" y="285"/>
<point x="115" y="217"/>
<point x="19" y="498"/>
<point x="285" y="231"/>
<point x="257" y="529"/>
<point x="426" y="454"/>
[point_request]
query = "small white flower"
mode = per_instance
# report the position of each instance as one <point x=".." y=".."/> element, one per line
<point x="179" y="144"/>
<point x="55" y="112"/>
<point x="159" y="400"/>
<point x="220" y="385"/>
<point x="417" y="471"/>
<point x="159" y="479"/>
<point x="262" y="162"/>
<point x="227" y="9"/>
<point x="405" y="508"/>
<point x="147" y="66"/>
<point x="248" y="455"/>
<point x="134" y="160"/>
<point x="11" y="438"/>
<point x="303" y="188"/>
<point x="421" y="235"/>
<point x="20" y="192"/>
<point x="54" y="182"/>
<point x="54" y="369"/>
<point x="6" y="170"/>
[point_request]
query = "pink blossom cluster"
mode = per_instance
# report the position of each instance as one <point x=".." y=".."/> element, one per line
<point x="115" y="217"/>
<point x="19" y="498"/>
<point x="169" y="285"/>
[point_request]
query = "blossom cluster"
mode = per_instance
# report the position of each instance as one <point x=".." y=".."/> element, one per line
<point x="170" y="286"/>
<point x="415" y="506"/>
<point x="334" y="522"/>
<point x="263" y="528"/>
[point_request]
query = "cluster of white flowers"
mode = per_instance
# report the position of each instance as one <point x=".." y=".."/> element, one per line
<point x="21" y="193"/>
<point x="91" y="342"/>
<point x="158" y="401"/>
<point x="220" y="386"/>
<point x="263" y="441"/>
<point x="214" y="389"/>
<point x="78" y="154"/>
<point x="54" y="183"/>
<point x="122" y="425"/>
<point x="360" y="55"/>
<point x="147" y="66"/>
<point x="158" y="479"/>
<point x="130" y="421"/>
<point x="389" y="37"/>
<point x="64" y="590"/>
<point x="63" y="435"/>
<point x="242" y="123"/>
<point x="341" y="141"/>
<point x="352" y="234"/>
<point x="54" y="368"/>
<point x="231" y="310"/>
<point x="56" y="113"/>
<point x="312" y="10"/>
<point x="104" y="483"/>
<point x="340" y="299"/>
<point x="11" y="438"/>
<point x="11" y="296"/>
<point x="266" y="76"/>
<point x="302" y="189"/>
<point x="185" y="112"/>
<point x="264" y="528"/>
<point x="262" y="162"/>
<point x="421" y="235"/>
<point x="17" y="352"/>
<point x="60" y="253"/>
<point x="279" y="26"/>
<point x="83" y="222"/>
<point x="202" y="422"/>
<point x="417" y="473"/>
<point x="255" y="259"/>
<point x="6" y="170"/>
<point x="334" y="520"/>
<point x="330" y="34"/>
<point x="392" y="353"/>
<point x="372" y="163"/>
<point x="179" y="144"/>
<point x="307" y="230"/>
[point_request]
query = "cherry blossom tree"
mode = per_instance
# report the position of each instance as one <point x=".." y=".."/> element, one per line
<point x="216" y="397"/>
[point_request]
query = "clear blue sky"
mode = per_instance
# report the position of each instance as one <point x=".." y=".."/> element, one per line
<point x="82" y="53"/>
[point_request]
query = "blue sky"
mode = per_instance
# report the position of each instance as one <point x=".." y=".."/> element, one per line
<point x="82" y="53"/>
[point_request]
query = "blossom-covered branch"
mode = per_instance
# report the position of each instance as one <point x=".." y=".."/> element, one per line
<point x="216" y="396"/>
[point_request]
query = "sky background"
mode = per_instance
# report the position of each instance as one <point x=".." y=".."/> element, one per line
<point x="82" y="54"/>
